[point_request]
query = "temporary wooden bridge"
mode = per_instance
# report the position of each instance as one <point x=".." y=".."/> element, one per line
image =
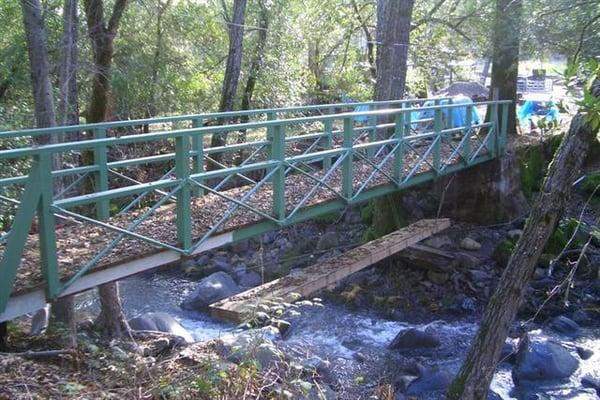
<point x="322" y="275"/>
<point x="73" y="228"/>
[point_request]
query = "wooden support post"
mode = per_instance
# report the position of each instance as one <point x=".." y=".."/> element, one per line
<point x="503" y="128"/>
<point x="347" y="163"/>
<point x="182" y="171"/>
<point x="101" y="176"/>
<point x="198" y="160"/>
<point x="47" y="234"/>
<point x="399" y="135"/>
<point x="278" y="154"/>
<point x="494" y="141"/>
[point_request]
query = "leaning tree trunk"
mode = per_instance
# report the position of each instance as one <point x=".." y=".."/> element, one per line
<point x="393" y="34"/>
<point x="111" y="320"/>
<point x="473" y="380"/>
<point x="505" y="60"/>
<point x="232" y="71"/>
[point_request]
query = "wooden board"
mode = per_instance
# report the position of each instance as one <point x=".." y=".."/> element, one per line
<point x="319" y="276"/>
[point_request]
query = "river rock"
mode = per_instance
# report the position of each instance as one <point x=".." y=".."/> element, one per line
<point x="221" y="263"/>
<point x="583" y="353"/>
<point x="542" y="359"/>
<point x="590" y="381"/>
<point x="439" y="241"/>
<point x="509" y="352"/>
<point x="581" y="317"/>
<point x="211" y="289"/>
<point x="268" y="355"/>
<point x="39" y="321"/>
<point x="562" y="324"/>
<point x="249" y="279"/>
<point x="161" y="322"/>
<point x="430" y="379"/>
<point x="467" y="260"/>
<point x="439" y="278"/>
<point x="479" y="276"/>
<point x="470" y="244"/>
<point x="328" y="241"/>
<point x="514" y="234"/>
<point x="411" y="338"/>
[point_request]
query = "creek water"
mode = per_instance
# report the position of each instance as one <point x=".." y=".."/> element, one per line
<point x="355" y="342"/>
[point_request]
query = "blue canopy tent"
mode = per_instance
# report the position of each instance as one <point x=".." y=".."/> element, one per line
<point x="547" y="109"/>
<point x="459" y="114"/>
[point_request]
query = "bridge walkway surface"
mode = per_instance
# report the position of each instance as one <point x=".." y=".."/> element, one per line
<point x="72" y="228"/>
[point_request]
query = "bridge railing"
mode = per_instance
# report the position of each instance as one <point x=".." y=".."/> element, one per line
<point x="284" y="175"/>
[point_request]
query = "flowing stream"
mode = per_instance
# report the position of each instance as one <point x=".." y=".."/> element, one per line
<point x="353" y="342"/>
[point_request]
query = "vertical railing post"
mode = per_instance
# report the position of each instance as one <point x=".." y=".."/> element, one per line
<point x="372" y="130"/>
<point x="466" y="151"/>
<point x="494" y="141"/>
<point x="450" y="117"/>
<point x="503" y="128"/>
<point x="277" y="140"/>
<point x="101" y="176"/>
<point x="198" y="160"/>
<point x="184" y="198"/>
<point x="328" y="139"/>
<point x="437" y="140"/>
<point x="399" y="135"/>
<point x="347" y="163"/>
<point x="47" y="234"/>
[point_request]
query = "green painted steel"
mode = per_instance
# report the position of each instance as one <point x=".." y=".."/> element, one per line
<point x="290" y="147"/>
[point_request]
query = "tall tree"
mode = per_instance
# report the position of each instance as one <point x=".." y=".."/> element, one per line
<point x="63" y="309"/>
<point x="68" y="106"/>
<point x="505" y="60"/>
<point x="234" y="64"/>
<point x="111" y="319"/>
<point x="393" y="34"/>
<point x="473" y="380"/>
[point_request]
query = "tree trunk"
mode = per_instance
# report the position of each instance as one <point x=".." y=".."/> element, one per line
<point x="393" y="34"/>
<point x="62" y="320"/>
<point x="368" y="38"/>
<point x="473" y="380"/>
<point x="111" y="320"/>
<point x="505" y="61"/>
<point x="254" y="71"/>
<point x="40" y="69"/>
<point x="161" y="8"/>
<point x="68" y="106"/>
<point x="3" y="335"/>
<point x="232" y="70"/>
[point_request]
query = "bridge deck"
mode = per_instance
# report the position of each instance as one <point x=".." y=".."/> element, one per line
<point x="78" y="243"/>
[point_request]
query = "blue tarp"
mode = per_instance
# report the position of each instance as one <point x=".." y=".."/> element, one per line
<point x="361" y="118"/>
<point x="546" y="109"/>
<point x="459" y="114"/>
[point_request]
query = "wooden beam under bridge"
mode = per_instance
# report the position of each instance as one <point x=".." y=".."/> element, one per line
<point x="319" y="276"/>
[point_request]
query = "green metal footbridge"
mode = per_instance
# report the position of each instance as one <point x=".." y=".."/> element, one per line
<point x="99" y="202"/>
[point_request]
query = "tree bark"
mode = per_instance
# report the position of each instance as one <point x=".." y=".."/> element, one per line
<point x="232" y="70"/>
<point x="393" y="34"/>
<point x="111" y="320"/>
<point x="40" y="69"/>
<point x="68" y="106"/>
<point x="473" y="380"/>
<point x="62" y="320"/>
<point x="505" y="60"/>
<point x="368" y="38"/>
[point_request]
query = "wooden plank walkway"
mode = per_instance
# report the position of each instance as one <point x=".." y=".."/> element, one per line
<point x="321" y="275"/>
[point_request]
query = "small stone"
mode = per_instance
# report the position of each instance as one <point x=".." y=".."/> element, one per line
<point x="590" y="381"/>
<point x="282" y="325"/>
<point x="584" y="354"/>
<point x="470" y="244"/>
<point x="467" y="260"/>
<point x="439" y="278"/>
<point x="562" y="324"/>
<point x="119" y="353"/>
<point x="249" y="279"/>
<point x="328" y="241"/>
<point x="514" y="234"/>
<point x="479" y="275"/>
<point x="411" y="338"/>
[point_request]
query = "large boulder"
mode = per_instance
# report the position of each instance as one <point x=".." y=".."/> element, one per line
<point x="160" y="322"/>
<point x="564" y="325"/>
<point x="409" y="339"/>
<point x="543" y="359"/>
<point x="213" y="288"/>
<point x="429" y="380"/>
